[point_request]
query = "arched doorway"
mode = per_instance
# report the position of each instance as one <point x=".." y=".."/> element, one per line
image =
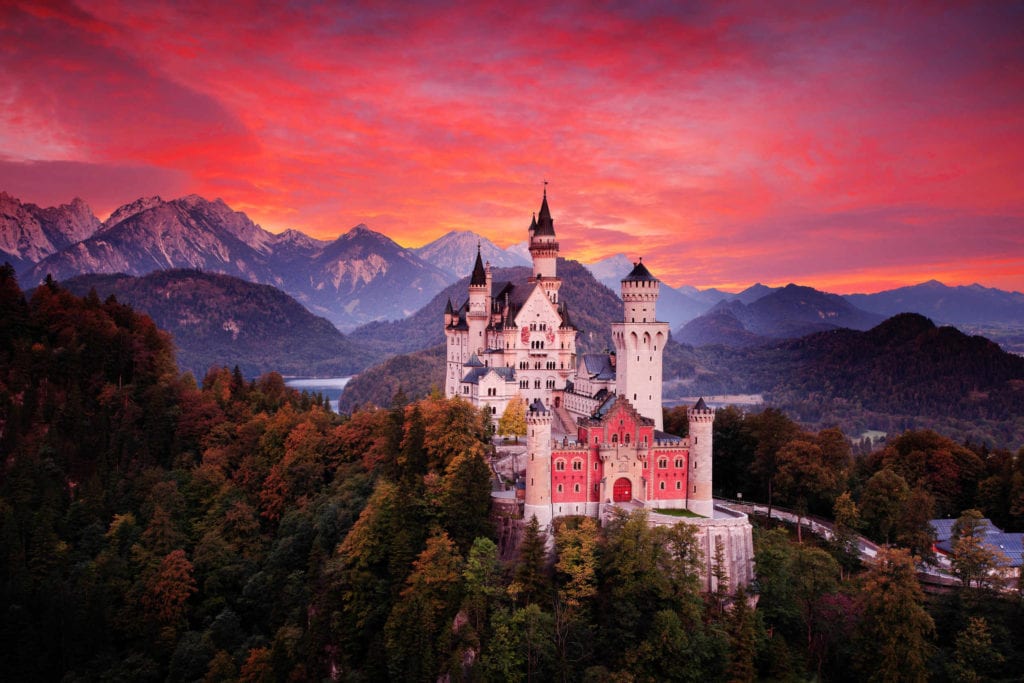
<point x="558" y="401"/>
<point x="622" y="492"/>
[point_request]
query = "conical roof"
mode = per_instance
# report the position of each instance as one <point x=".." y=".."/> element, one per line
<point x="545" y="225"/>
<point x="479" y="274"/>
<point x="701" y="405"/>
<point x="639" y="273"/>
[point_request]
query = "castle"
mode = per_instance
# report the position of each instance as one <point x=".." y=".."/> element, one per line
<point x="594" y="422"/>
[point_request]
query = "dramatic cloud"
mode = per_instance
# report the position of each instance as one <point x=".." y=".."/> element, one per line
<point x="847" y="146"/>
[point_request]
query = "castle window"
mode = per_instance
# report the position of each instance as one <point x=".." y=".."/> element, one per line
<point x="615" y="438"/>
<point x="695" y="489"/>
<point x="577" y="464"/>
<point x="559" y="488"/>
<point x="536" y="384"/>
<point x="551" y="384"/>
<point x="595" y="466"/>
<point x="679" y="486"/>
<point x="625" y="439"/>
<point x="560" y="465"/>
<point x="576" y="488"/>
<point x="679" y="462"/>
<point x="662" y="463"/>
<point x="494" y="410"/>
<point x="661" y="485"/>
<point x="695" y="441"/>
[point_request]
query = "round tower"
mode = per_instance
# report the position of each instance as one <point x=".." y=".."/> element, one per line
<point x="639" y="344"/>
<point x="701" y="420"/>
<point x="538" y="464"/>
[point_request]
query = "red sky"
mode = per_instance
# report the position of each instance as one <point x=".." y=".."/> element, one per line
<point x="849" y="146"/>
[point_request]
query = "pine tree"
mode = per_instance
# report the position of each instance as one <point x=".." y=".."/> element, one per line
<point x="531" y="576"/>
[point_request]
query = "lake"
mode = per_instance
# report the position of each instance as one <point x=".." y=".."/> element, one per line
<point x="331" y="387"/>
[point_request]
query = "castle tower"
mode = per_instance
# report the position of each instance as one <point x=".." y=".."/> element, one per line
<point x="639" y="344"/>
<point x="538" y="464"/>
<point x="701" y="419"/>
<point x="544" y="250"/>
<point x="479" y="305"/>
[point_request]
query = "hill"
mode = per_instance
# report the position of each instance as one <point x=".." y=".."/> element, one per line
<point x="415" y="374"/>
<point x="218" y="320"/>
<point x="905" y="373"/>
<point x="790" y="312"/>
<point x="965" y="304"/>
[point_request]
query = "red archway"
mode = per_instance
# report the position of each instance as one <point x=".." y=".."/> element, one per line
<point x="622" y="492"/>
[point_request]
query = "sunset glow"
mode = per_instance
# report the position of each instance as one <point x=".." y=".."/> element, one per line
<point x="849" y="147"/>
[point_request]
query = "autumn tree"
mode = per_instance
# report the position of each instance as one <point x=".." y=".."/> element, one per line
<point x="513" y="420"/>
<point x="975" y="659"/>
<point x="895" y="630"/>
<point x="974" y="562"/>
<point x="882" y="503"/>
<point x="418" y="631"/>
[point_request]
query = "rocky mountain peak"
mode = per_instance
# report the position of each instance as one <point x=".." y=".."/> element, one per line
<point x="131" y="209"/>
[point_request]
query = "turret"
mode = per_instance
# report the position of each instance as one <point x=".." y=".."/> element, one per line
<point x="544" y="249"/>
<point x="701" y="420"/>
<point x="639" y="344"/>
<point x="479" y="304"/>
<point x="538" y="464"/>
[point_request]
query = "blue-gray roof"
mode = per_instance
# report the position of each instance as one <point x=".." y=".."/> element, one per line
<point x="665" y="436"/>
<point x="538" y="407"/>
<point x="1009" y="544"/>
<point x="473" y="362"/>
<point x="598" y="366"/>
<point x="603" y="409"/>
<point x="474" y="375"/>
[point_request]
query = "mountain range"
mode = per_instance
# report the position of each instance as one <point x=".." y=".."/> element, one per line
<point x="363" y="276"/>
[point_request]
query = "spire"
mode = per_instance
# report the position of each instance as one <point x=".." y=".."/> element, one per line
<point x="448" y="310"/>
<point x="479" y="274"/>
<point x="545" y="226"/>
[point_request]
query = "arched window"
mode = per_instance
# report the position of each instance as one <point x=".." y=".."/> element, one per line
<point x="661" y="485"/>
<point x="577" y="464"/>
<point x="662" y="463"/>
<point x="625" y="438"/>
<point x="560" y="465"/>
<point x="679" y="486"/>
<point x="615" y="438"/>
<point x="679" y="462"/>
<point x="576" y="488"/>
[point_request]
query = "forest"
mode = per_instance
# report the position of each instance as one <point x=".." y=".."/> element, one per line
<point x="156" y="527"/>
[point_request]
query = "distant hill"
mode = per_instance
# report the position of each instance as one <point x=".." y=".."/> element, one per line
<point x="218" y="320"/>
<point x="970" y="304"/>
<point x="416" y="374"/>
<point x="455" y="253"/>
<point x="904" y="373"/>
<point x="786" y="313"/>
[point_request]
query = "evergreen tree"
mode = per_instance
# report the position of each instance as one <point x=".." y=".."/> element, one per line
<point x="531" y="581"/>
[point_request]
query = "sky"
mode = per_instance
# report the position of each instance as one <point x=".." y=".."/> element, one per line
<point x="851" y="147"/>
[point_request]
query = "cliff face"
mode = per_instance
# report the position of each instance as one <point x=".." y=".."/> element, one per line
<point x="28" y="233"/>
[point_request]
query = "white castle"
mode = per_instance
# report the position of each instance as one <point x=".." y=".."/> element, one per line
<point x="594" y="423"/>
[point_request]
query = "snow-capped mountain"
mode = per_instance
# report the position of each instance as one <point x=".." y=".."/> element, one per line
<point x="28" y="233"/>
<point x="455" y="253"/>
